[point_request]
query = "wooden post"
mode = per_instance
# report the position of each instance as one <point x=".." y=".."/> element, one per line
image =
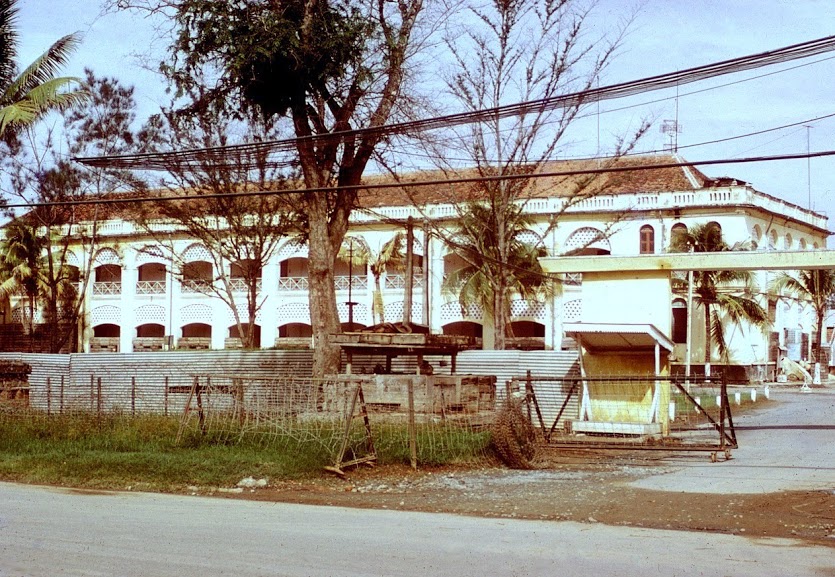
<point x="61" y="397"/>
<point x="409" y="272"/>
<point x="99" y="402"/>
<point x="133" y="396"/>
<point x="412" y="428"/>
<point x="92" y="392"/>
<point x="48" y="396"/>
<point x="165" y="398"/>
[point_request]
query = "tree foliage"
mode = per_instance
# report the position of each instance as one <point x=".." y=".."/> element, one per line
<point x="25" y="96"/>
<point x="241" y="232"/>
<point x="507" y="52"/>
<point x="330" y="67"/>
<point x="815" y="286"/>
<point x="722" y="294"/>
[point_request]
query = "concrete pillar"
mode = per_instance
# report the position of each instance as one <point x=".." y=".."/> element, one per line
<point x="130" y="275"/>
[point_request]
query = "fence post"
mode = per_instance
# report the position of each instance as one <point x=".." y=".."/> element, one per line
<point x="99" y="403"/>
<point x="48" y="396"/>
<point x="165" y="398"/>
<point x="61" y="399"/>
<point x="133" y="396"/>
<point x="92" y="392"/>
<point x="412" y="428"/>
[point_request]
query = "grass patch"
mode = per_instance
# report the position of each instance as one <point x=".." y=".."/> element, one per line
<point x="118" y="451"/>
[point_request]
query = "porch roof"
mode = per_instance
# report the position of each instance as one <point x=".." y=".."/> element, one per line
<point x="610" y="337"/>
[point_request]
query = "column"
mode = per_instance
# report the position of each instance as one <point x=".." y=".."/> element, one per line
<point x="128" y="303"/>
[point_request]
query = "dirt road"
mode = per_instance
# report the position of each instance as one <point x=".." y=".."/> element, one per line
<point x="779" y="483"/>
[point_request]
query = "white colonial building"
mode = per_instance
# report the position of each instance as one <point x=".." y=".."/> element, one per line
<point x="141" y="298"/>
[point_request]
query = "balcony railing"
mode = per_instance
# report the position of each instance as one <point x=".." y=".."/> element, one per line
<point x="398" y="281"/>
<point x="191" y="285"/>
<point x="108" y="288"/>
<point x="357" y="282"/>
<point x="150" y="287"/>
<point x="293" y="283"/>
<point x="240" y="285"/>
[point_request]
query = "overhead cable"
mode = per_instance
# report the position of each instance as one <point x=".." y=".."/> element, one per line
<point x="184" y="158"/>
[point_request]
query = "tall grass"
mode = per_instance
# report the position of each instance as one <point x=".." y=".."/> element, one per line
<point x="118" y="451"/>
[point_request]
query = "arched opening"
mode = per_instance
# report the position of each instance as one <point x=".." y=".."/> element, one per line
<point x="197" y="276"/>
<point x="679" y="329"/>
<point x="73" y="273"/>
<point x="757" y="235"/>
<point x="197" y="331"/>
<point x="453" y="263"/>
<point x="647" y="240"/>
<point x="151" y="279"/>
<point x="150" y="330"/>
<point x="678" y="232"/>
<point x="293" y="274"/>
<point x="464" y="328"/>
<point x="348" y="327"/>
<point x="107" y="331"/>
<point x="788" y="242"/>
<point x="107" y="280"/>
<point x="772" y="239"/>
<point x="587" y="241"/>
<point x="242" y="272"/>
<point x="295" y="331"/>
<point x="235" y="340"/>
<point x="105" y="338"/>
<point x="526" y="336"/>
<point x="195" y="337"/>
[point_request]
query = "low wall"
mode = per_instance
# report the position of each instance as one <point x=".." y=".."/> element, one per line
<point x="136" y="381"/>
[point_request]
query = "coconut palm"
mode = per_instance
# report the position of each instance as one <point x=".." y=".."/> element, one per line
<point x="815" y="286"/>
<point x="390" y="258"/>
<point x="722" y="294"/>
<point x="28" y="95"/>
<point x="21" y="259"/>
<point x="493" y="273"/>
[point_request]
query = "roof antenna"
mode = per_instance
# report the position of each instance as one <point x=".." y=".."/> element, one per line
<point x="672" y="128"/>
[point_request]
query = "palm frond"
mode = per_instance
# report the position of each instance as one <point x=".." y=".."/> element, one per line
<point x="45" y="68"/>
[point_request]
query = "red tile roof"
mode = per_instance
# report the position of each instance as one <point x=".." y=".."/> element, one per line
<point x="621" y="182"/>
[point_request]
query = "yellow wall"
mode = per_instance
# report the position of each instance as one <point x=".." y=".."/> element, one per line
<point x="626" y="402"/>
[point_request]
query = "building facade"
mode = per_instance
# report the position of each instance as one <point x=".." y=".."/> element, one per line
<point x="146" y="295"/>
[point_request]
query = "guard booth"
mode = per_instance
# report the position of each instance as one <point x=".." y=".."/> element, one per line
<point x="626" y="323"/>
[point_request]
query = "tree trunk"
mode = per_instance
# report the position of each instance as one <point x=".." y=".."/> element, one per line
<point x="324" y="317"/>
<point x="821" y="311"/>
<point x="708" y="341"/>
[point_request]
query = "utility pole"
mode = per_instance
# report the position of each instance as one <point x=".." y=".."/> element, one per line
<point x="808" y="164"/>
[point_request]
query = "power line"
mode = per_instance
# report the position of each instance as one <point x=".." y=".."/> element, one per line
<point x="164" y="161"/>
<point x="433" y="182"/>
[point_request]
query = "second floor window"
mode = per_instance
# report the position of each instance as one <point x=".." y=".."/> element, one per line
<point x="647" y="240"/>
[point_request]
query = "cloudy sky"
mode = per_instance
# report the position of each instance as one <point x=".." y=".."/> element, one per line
<point x="667" y="35"/>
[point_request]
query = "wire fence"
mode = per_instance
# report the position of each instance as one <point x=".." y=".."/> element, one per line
<point x="421" y="419"/>
<point x="633" y="412"/>
<point x="412" y="418"/>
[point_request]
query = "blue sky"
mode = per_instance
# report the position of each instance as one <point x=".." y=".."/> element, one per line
<point x="667" y="35"/>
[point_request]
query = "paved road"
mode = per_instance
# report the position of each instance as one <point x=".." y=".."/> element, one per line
<point x="789" y="446"/>
<point x="52" y="532"/>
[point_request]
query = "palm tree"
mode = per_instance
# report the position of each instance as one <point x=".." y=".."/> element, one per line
<point x="21" y="260"/>
<point x="495" y="271"/>
<point x="718" y="292"/>
<point x="816" y="286"/>
<point x="390" y="258"/>
<point x="27" y="96"/>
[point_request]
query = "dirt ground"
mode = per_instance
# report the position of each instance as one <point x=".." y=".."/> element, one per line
<point x="584" y="487"/>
